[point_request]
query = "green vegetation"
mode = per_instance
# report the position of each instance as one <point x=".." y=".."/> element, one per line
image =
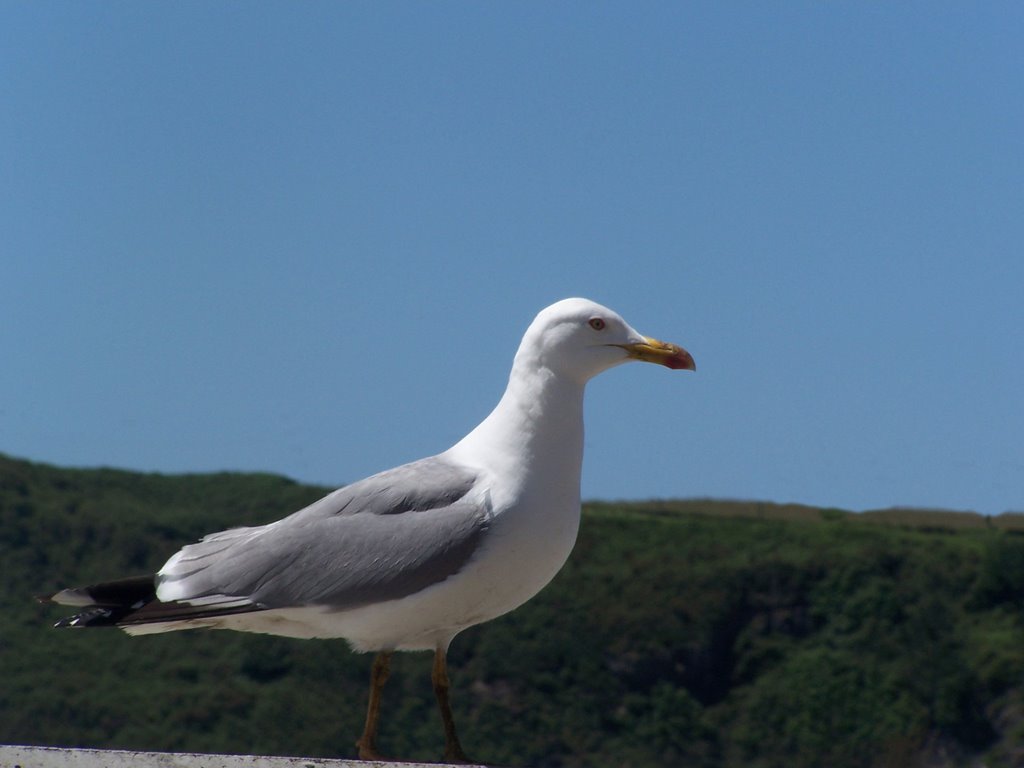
<point x="693" y="633"/>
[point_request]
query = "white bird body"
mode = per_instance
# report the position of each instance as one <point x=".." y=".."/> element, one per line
<point x="528" y="454"/>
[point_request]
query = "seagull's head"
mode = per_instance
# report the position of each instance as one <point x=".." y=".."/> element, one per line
<point x="580" y="338"/>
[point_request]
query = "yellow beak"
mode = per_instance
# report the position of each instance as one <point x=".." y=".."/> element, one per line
<point x="660" y="352"/>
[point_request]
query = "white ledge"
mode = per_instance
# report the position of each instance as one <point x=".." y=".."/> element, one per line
<point x="12" y="756"/>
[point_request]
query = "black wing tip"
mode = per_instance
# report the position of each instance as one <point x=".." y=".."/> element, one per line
<point x="98" y="617"/>
<point x="104" y="604"/>
<point x="152" y="612"/>
<point x="133" y="602"/>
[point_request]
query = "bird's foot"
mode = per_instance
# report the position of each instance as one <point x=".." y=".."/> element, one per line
<point x="368" y="751"/>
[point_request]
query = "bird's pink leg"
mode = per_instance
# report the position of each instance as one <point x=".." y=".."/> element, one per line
<point x="452" y="749"/>
<point x="367" y="743"/>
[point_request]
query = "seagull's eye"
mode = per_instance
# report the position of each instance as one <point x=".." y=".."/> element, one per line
<point x="597" y="323"/>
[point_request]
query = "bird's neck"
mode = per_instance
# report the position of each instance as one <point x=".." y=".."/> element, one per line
<point x="535" y="430"/>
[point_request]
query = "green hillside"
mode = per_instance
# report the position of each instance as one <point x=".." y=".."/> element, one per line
<point x="694" y="633"/>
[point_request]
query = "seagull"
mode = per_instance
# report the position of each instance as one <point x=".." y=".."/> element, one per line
<point x="408" y="558"/>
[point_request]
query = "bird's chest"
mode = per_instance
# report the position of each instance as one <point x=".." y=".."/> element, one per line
<point x="529" y="541"/>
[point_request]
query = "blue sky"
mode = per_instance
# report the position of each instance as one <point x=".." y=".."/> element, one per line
<point x="306" y="237"/>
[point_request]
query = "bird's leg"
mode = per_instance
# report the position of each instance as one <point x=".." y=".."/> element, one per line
<point x="367" y="743"/>
<point x="452" y="749"/>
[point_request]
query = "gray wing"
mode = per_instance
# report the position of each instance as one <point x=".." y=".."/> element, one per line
<point x="385" y="537"/>
<point x="422" y="485"/>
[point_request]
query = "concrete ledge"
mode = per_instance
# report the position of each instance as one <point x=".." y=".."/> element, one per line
<point x="60" y="757"/>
